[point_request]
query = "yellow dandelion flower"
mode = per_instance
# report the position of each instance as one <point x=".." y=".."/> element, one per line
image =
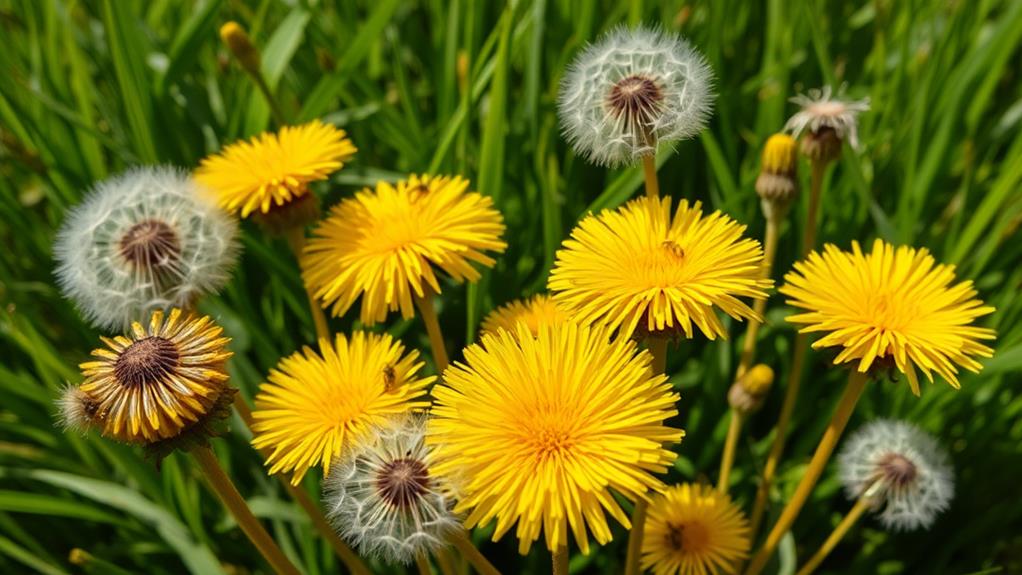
<point x="383" y="244"/>
<point x="271" y="170"/>
<point x="894" y="306"/>
<point x="533" y="312"/>
<point x="316" y="404"/>
<point x="541" y="431"/>
<point x="157" y="382"/>
<point x="637" y="269"/>
<point x="693" y="530"/>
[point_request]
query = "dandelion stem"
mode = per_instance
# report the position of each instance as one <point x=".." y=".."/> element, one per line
<point x="426" y="305"/>
<point x="635" y="537"/>
<point x="819" y="167"/>
<point x="234" y="503"/>
<point x="445" y="562"/>
<point x="853" y="391"/>
<point x="296" y="239"/>
<point x="468" y="551"/>
<point x="734" y="429"/>
<point x="351" y="560"/>
<point x="839" y="532"/>
<point x="657" y="347"/>
<point x="560" y="560"/>
<point x="275" y="110"/>
<point x="649" y="170"/>
<point x="422" y="564"/>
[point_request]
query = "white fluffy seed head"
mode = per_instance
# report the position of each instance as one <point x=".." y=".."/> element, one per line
<point x="820" y="110"/>
<point x="144" y="240"/>
<point x="630" y="91"/>
<point x="905" y="471"/>
<point x="382" y="498"/>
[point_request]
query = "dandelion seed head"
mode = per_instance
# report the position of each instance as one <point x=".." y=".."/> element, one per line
<point x="384" y="498"/>
<point x="142" y="241"/>
<point x="902" y="469"/>
<point x="631" y="90"/>
<point x="823" y="113"/>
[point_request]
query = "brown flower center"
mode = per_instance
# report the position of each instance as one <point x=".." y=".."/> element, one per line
<point x="151" y="244"/>
<point x="687" y="537"/>
<point x="402" y="481"/>
<point x="148" y="360"/>
<point x="897" y="469"/>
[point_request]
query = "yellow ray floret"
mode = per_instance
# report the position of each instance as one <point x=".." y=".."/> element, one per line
<point x="316" y="404"/>
<point x="543" y="431"/>
<point x="383" y="245"/>
<point x="893" y="306"/>
<point x="158" y="381"/>
<point x="533" y="312"/>
<point x="273" y="169"/>
<point x="693" y="530"/>
<point x="637" y="269"/>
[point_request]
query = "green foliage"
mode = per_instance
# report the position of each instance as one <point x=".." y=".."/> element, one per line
<point x="89" y="88"/>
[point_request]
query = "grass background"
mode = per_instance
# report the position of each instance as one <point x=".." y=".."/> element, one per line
<point x="89" y="88"/>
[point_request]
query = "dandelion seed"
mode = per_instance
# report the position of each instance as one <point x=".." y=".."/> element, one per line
<point x="539" y="431"/>
<point x="383" y="497"/>
<point x="533" y="312"/>
<point x="641" y="271"/>
<point x="894" y="307"/>
<point x="385" y="245"/>
<point x="828" y="121"/>
<point x="317" y="405"/>
<point x="694" y="530"/>
<point x="630" y="91"/>
<point x="902" y="469"/>
<point x="142" y="241"/>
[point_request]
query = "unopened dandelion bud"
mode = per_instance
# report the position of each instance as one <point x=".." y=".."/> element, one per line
<point x="777" y="184"/>
<point x="238" y="42"/>
<point x="747" y="394"/>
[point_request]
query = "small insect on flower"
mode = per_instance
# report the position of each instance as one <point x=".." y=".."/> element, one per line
<point x="630" y="91"/>
<point x="533" y="312"/>
<point x="641" y="271"/>
<point x="828" y="122"/>
<point x="892" y="308"/>
<point x="141" y="241"/>
<point x="164" y="380"/>
<point x="383" y="497"/>
<point x="902" y="469"/>
<point x="269" y="175"/>
<point x="541" y="430"/>
<point x="385" y="245"/>
<point x="692" y="529"/>
<point x="318" y="405"/>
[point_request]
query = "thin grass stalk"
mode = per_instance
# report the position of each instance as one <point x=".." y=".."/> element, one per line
<point x="846" y="405"/>
<point x="427" y="307"/>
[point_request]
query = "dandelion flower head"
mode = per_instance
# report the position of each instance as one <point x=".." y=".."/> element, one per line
<point x="384" y="245"/>
<point x="894" y="307"/>
<point x="692" y="529"/>
<point x="639" y="270"/>
<point x="384" y="498"/>
<point x="141" y="241"/>
<point x="820" y="111"/>
<point x="315" y="406"/>
<point x="272" y="170"/>
<point x="542" y="431"/>
<point x="154" y="384"/>
<point x="902" y="468"/>
<point x="631" y="90"/>
<point x="533" y="312"/>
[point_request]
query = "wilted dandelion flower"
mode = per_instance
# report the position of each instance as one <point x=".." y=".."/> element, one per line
<point x="383" y="497"/>
<point x="639" y="270"/>
<point x="272" y="171"/>
<point x="902" y="470"/>
<point x="828" y="121"/>
<point x="384" y="245"/>
<point x="694" y="530"/>
<point x="540" y="431"/>
<point x="316" y="405"/>
<point x="538" y="310"/>
<point x="893" y="307"/>
<point x="142" y="241"/>
<point x="161" y="381"/>
<point x="631" y="90"/>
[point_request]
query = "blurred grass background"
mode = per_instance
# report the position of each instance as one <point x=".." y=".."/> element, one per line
<point x="88" y="88"/>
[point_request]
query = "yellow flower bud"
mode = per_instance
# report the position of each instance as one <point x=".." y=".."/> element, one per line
<point x="237" y="40"/>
